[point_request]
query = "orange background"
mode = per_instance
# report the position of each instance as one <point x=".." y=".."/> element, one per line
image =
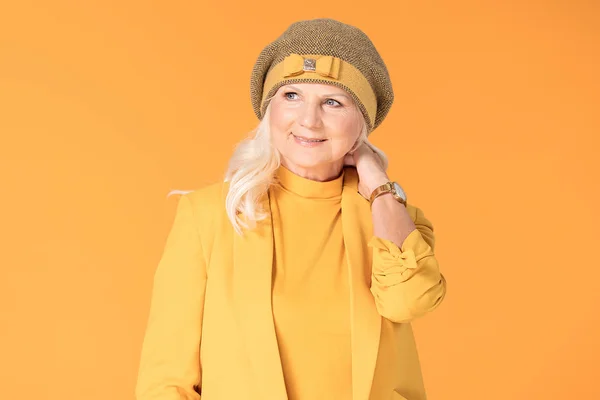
<point x="105" y="106"/>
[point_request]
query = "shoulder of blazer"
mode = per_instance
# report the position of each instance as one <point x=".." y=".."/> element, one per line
<point x="208" y="205"/>
<point x="209" y="197"/>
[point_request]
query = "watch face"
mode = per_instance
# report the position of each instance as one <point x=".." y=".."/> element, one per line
<point x="399" y="191"/>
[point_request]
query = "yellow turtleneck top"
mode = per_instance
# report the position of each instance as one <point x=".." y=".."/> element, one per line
<point x="311" y="303"/>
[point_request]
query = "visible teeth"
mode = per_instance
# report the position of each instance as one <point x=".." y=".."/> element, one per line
<point x="311" y="140"/>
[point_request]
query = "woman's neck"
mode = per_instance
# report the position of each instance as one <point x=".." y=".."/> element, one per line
<point x="321" y="173"/>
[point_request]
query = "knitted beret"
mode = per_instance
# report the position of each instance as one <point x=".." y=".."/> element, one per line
<point x="324" y="51"/>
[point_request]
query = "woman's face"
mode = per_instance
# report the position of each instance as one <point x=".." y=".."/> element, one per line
<point x="313" y="127"/>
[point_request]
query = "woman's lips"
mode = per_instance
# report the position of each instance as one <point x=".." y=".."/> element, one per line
<point x="308" y="142"/>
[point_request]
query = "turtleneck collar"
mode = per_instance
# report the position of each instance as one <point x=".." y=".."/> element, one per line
<point x="308" y="188"/>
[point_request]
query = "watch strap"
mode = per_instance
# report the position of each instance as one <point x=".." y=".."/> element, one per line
<point x="387" y="187"/>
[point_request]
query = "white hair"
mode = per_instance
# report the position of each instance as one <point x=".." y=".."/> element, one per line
<point x="251" y="171"/>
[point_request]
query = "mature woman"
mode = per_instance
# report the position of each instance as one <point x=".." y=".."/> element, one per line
<point x="298" y="277"/>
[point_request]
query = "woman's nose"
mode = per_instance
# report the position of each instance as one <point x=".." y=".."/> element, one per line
<point x="309" y="115"/>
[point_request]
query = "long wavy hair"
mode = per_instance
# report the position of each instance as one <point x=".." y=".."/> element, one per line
<point x="251" y="172"/>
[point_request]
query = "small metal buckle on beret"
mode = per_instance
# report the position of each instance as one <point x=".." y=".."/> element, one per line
<point x="310" y="64"/>
<point x="324" y="65"/>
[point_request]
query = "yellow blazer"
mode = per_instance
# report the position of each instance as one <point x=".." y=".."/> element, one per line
<point x="210" y="332"/>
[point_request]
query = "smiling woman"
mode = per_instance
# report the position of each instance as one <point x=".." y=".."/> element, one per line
<point x="312" y="119"/>
<point x="299" y="275"/>
<point x="277" y="141"/>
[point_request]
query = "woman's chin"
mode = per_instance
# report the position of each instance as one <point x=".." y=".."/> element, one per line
<point x="309" y="162"/>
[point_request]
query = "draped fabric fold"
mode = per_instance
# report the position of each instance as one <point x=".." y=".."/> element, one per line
<point x="406" y="281"/>
<point x="391" y="265"/>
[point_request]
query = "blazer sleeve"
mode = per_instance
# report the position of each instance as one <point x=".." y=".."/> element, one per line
<point x="406" y="282"/>
<point x="170" y="366"/>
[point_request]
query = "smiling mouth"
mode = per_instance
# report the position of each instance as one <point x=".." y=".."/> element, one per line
<point x="308" y="140"/>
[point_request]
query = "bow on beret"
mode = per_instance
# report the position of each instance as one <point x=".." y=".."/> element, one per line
<point x="295" y="64"/>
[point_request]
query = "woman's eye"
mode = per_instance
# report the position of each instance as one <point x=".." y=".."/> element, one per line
<point x="330" y="102"/>
<point x="338" y="103"/>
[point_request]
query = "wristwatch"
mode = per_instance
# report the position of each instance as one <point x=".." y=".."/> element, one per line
<point x="389" y="187"/>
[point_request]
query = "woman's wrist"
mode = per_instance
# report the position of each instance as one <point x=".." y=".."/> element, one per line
<point x="375" y="182"/>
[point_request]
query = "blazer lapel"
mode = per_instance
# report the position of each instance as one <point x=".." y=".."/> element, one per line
<point x="365" y="319"/>
<point x="252" y="283"/>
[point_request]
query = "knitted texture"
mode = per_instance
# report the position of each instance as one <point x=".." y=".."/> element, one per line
<point x="327" y="37"/>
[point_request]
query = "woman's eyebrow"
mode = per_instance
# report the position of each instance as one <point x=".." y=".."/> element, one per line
<point x="325" y="95"/>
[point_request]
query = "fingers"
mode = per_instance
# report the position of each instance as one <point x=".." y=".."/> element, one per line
<point x="349" y="160"/>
